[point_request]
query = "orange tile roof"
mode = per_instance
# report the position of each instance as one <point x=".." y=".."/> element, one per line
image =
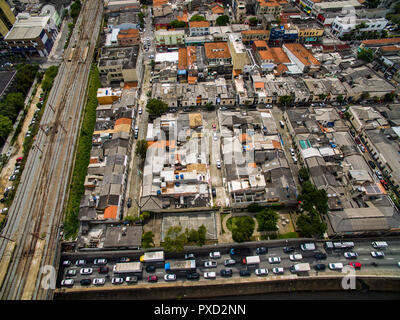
<point x="255" y="32"/>
<point x="390" y="48"/>
<point x="217" y="50"/>
<point x="252" y="165"/>
<point x="111" y="212"/>
<point x="199" y="24"/>
<point x="182" y="59"/>
<point x="123" y="121"/>
<point x="236" y="72"/>
<point x="191" y="56"/>
<point x="276" y="144"/>
<point x="244" y="137"/>
<point x="281" y="68"/>
<point x="265" y="55"/>
<point x="159" y="3"/>
<point x="279" y="55"/>
<point x="268" y="4"/>
<point x="184" y="17"/>
<point x="260" y="43"/>
<point x="302" y="54"/>
<point x="192" y="80"/>
<point x="381" y="41"/>
<point x="94" y="160"/>
<point x="128" y="33"/>
<point x="259" y="85"/>
<point x="216" y="9"/>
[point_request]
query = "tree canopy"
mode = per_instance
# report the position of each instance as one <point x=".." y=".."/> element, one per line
<point x="147" y="240"/>
<point x="197" y="17"/>
<point x="267" y="220"/>
<point x="175" y="239"/>
<point x="141" y="148"/>
<point x="222" y="20"/>
<point x="366" y="55"/>
<point x="253" y="21"/>
<point x="5" y="128"/>
<point x="177" y="24"/>
<point x="311" y="198"/>
<point x="285" y="100"/>
<point x="310" y="225"/>
<point x="156" y="107"/>
<point x="242" y="228"/>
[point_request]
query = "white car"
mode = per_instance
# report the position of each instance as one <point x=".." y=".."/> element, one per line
<point x="117" y="280"/>
<point x="215" y="255"/>
<point x="80" y="262"/>
<point x="67" y="283"/>
<point x="101" y="261"/>
<point x="170" y="277"/>
<point x="66" y="263"/>
<point x="273" y="260"/>
<point x="215" y="137"/>
<point x="209" y="275"/>
<point x="189" y="256"/>
<point x="218" y="162"/>
<point x="86" y="271"/>
<point x="398" y="264"/>
<point x="140" y="111"/>
<point x="210" y="264"/>
<point x="133" y="279"/>
<point x="229" y="262"/>
<point x="278" y="270"/>
<point x="99" y="281"/>
<point x="261" y="272"/>
<point x="4" y="210"/>
<point x="350" y="255"/>
<point x="336" y="266"/>
<point x="295" y="257"/>
<point x="377" y="254"/>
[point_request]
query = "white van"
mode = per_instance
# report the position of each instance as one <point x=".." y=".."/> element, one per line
<point x="308" y="246"/>
<point x="380" y="244"/>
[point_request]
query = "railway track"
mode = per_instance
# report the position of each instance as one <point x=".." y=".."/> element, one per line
<point x="38" y="206"/>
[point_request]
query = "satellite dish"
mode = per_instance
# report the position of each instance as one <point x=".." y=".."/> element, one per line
<point x="47" y="10"/>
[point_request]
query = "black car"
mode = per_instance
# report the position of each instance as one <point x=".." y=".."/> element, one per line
<point x="226" y="273"/>
<point x="192" y="276"/>
<point x="86" y="282"/>
<point x="2" y="200"/>
<point x="288" y="249"/>
<point x="244" y="273"/>
<point x="372" y="164"/>
<point x="103" y="270"/>
<point x="214" y="192"/>
<point x="150" y="268"/>
<point x="320" y="267"/>
<point x="320" y="256"/>
<point x="261" y="250"/>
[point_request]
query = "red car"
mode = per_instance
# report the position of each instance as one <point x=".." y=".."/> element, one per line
<point x="384" y="184"/>
<point x="103" y="270"/>
<point x="214" y="126"/>
<point x="355" y="265"/>
<point x="152" y="279"/>
<point x="19" y="159"/>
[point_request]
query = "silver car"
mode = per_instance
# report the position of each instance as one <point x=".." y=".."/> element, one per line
<point x="273" y="260"/>
<point x="99" y="281"/>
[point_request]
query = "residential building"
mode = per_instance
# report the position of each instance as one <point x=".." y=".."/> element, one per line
<point x="239" y="10"/>
<point x="128" y="37"/>
<point x="219" y="58"/>
<point x="283" y="34"/>
<point x="169" y="38"/>
<point x="199" y="28"/>
<point x="268" y="7"/>
<point x="342" y="26"/>
<point x="248" y="36"/>
<point x="238" y="53"/>
<point x="301" y="57"/>
<point x="161" y="8"/>
<point x="366" y="118"/>
<point x="309" y="32"/>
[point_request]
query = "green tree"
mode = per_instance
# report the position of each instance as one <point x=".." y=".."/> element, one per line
<point x="267" y="220"/>
<point x="144" y="215"/>
<point x="177" y="24"/>
<point x="303" y="174"/>
<point x="312" y="198"/>
<point x="253" y="21"/>
<point x="222" y="20"/>
<point x="192" y="235"/>
<point x="285" y="100"/>
<point x="174" y="240"/>
<point x="254" y="207"/>
<point x="75" y="9"/>
<point x="389" y="97"/>
<point x="322" y="96"/>
<point x="141" y="148"/>
<point x="372" y="4"/>
<point x="243" y="229"/>
<point x="147" y="240"/>
<point x="5" y="128"/>
<point x="366" y="55"/>
<point x="202" y="231"/>
<point x="197" y="17"/>
<point x="156" y="107"/>
<point x="365" y="96"/>
<point x="310" y="225"/>
<point x="340" y="98"/>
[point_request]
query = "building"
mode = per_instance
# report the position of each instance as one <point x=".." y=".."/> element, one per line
<point x="239" y="10"/>
<point x="268" y="7"/>
<point x="128" y="37"/>
<point x="238" y="53"/>
<point x="248" y="36"/>
<point x="342" y="26"/>
<point x="366" y="118"/>
<point x="219" y="58"/>
<point x="170" y="38"/>
<point x="301" y="57"/>
<point x="309" y="32"/>
<point x="199" y="28"/>
<point x="161" y="8"/>
<point x="32" y="36"/>
<point x="283" y="34"/>
<point x="118" y="64"/>
<point x="7" y="18"/>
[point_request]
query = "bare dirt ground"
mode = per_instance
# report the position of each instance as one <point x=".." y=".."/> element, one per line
<point x="9" y="168"/>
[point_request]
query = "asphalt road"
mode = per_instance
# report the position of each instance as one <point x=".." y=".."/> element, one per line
<point x="386" y="266"/>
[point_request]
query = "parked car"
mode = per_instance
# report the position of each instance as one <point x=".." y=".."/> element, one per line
<point x="215" y="137"/>
<point x="131" y="279"/>
<point x="261" y="250"/>
<point x="67" y="283"/>
<point x="226" y="273"/>
<point x="273" y="260"/>
<point x="140" y="111"/>
<point x="320" y="267"/>
<point x="218" y="163"/>
<point x="210" y="264"/>
<point x="192" y="276"/>
<point x="85" y="282"/>
<point x="189" y="256"/>
<point x="350" y="255"/>
<point x="372" y="164"/>
<point x="320" y="256"/>
<point x="80" y="262"/>
<point x="244" y="273"/>
<point x="209" y="275"/>
<point x="117" y="280"/>
<point x="229" y="262"/>
<point x="288" y="249"/>
<point x="150" y="268"/>
<point x="85" y="271"/>
<point x="100" y="261"/>
<point x="71" y="273"/>
<point x="99" y="281"/>
<point x="377" y="254"/>
<point x="214" y="192"/>
<point x="12" y="177"/>
<point x="295" y="257"/>
<point x="66" y="263"/>
<point x="124" y="259"/>
<point x="103" y="269"/>
<point x="215" y="255"/>
<point x="261" y="272"/>
<point x="129" y="203"/>
<point x="278" y="270"/>
<point x="170" y="277"/>
<point x="336" y="266"/>
<point x="152" y="278"/>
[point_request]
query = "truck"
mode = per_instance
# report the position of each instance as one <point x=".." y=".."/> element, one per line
<point x="252" y="260"/>
<point x="300" y="267"/>
<point x="183" y="266"/>
<point x="308" y="246"/>
<point x="128" y="267"/>
<point x="339" y="245"/>
<point x="152" y="257"/>
<point x="380" y="244"/>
